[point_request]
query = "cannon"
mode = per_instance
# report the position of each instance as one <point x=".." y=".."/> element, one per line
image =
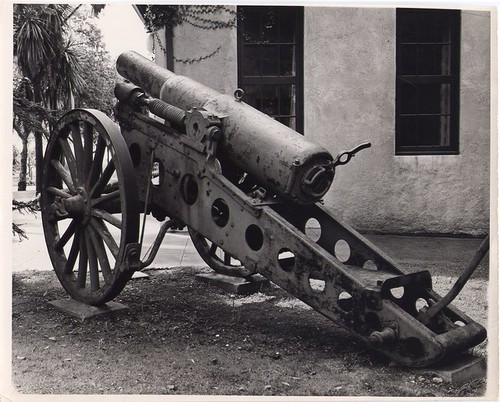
<point x="249" y="190"/>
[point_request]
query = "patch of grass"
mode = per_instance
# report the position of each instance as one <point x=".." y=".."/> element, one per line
<point x="180" y="336"/>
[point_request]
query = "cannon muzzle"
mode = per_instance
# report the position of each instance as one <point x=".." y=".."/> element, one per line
<point x="273" y="154"/>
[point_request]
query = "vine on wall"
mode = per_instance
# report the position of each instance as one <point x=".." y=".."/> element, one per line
<point x="199" y="16"/>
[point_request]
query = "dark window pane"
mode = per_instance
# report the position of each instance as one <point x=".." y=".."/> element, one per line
<point x="434" y="98"/>
<point x="287" y="28"/>
<point x="427" y="27"/>
<point x="425" y="130"/>
<point x="433" y="131"/>
<point x="443" y="59"/>
<point x="444" y="125"/>
<point x="424" y="58"/>
<point x="287" y="60"/>
<point x="253" y="95"/>
<point x="270" y="30"/>
<point x="251" y="66"/>
<point x="287" y="99"/>
<point x="434" y="59"/>
<point x="425" y="98"/>
<point x="409" y="98"/>
<point x="408" y="131"/>
<point x="443" y="31"/>
<point x="409" y="31"/>
<point x="270" y="60"/>
<point x="270" y="102"/>
<point x="252" y="30"/>
<point x="408" y="65"/>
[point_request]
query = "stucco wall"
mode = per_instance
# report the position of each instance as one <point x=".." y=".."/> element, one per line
<point x="349" y="87"/>
<point x="219" y="71"/>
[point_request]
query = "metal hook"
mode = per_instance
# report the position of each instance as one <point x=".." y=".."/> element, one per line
<point x="239" y="94"/>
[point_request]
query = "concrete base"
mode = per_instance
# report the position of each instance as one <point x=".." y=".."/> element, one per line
<point x="239" y="286"/>
<point x="461" y="370"/>
<point x="84" y="311"/>
<point x="139" y="275"/>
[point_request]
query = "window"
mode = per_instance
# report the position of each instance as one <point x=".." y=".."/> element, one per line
<point x="270" y="57"/>
<point x="427" y="81"/>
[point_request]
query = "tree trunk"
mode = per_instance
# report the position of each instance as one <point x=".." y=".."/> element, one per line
<point x="39" y="160"/>
<point x="38" y="148"/>
<point x="21" y="185"/>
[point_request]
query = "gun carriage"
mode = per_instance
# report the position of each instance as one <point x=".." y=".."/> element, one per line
<point x="247" y="188"/>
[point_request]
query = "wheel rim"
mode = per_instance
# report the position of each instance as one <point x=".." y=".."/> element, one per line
<point x="217" y="258"/>
<point x="89" y="205"/>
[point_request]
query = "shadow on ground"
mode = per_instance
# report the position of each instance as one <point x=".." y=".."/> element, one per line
<point x="180" y="336"/>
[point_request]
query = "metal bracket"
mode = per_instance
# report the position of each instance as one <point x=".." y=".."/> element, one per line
<point x="422" y="279"/>
<point x="371" y="299"/>
<point x="131" y="259"/>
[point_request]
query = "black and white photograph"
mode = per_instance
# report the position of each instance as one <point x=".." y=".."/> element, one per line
<point x="287" y="201"/>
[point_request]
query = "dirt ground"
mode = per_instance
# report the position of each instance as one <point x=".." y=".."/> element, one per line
<point x="181" y="336"/>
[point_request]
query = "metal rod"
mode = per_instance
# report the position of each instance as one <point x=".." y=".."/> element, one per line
<point x="156" y="245"/>
<point x="459" y="284"/>
<point x="146" y="201"/>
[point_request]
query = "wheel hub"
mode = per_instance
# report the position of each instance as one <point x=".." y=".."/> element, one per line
<point x="78" y="206"/>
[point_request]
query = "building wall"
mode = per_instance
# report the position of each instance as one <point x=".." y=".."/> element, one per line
<point x="219" y="71"/>
<point x="349" y="88"/>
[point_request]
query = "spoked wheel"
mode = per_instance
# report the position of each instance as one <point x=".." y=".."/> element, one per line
<point x="216" y="258"/>
<point x="90" y="211"/>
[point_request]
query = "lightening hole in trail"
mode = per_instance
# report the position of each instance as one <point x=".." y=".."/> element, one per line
<point x="286" y="259"/>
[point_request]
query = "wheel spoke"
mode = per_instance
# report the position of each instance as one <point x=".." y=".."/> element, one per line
<point x="103" y="231"/>
<point x="58" y="192"/>
<point x="82" y="264"/>
<point x="93" y="267"/>
<point x="87" y="148"/>
<point x="73" y="253"/>
<point x="97" y="162"/>
<point x="64" y="174"/>
<point x="70" y="159"/>
<point x="59" y="218"/>
<point x="111" y="187"/>
<point x="103" y="180"/>
<point x="100" y="213"/>
<point x="106" y="198"/>
<point x="66" y="236"/>
<point x="101" y="254"/>
<point x="77" y="144"/>
<point x="213" y="250"/>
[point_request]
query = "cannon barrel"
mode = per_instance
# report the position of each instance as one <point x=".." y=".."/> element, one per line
<point x="273" y="154"/>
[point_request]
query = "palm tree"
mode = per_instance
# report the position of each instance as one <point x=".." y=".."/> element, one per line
<point x="28" y="118"/>
<point x="64" y="77"/>
<point x="46" y="59"/>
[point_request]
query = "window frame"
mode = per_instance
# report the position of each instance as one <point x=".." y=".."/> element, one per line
<point x="453" y="79"/>
<point x="297" y="80"/>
